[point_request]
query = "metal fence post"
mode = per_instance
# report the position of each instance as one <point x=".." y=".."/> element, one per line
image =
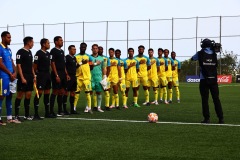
<point x="196" y="42"/>
<point x="220" y="39"/>
<point x="83" y="31"/>
<point x="127" y="34"/>
<point x="106" y="36"/>
<point x="149" y="36"/>
<point x="43" y="30"/>
<point x="23" y="30"/>
<point x="172" y="33"/>
<point x="64" y="35"/>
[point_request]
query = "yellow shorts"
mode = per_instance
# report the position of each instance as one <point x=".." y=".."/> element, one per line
<point x="143" y="81"/>
<point x="153" y="82"/>
<point x="175" y="82"/>
<point x="122" y="85"/>
<point x="83" y="85"/>
<point x="114" y="80"/>
<point x="134" y="83"/>
<point x="162" y="81"/>
<point x="169" y="79"/>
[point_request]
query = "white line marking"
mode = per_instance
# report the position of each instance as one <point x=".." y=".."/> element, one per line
<point x="134" y="121"/>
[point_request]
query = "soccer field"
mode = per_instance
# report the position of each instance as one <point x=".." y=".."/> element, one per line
<point x="126" y="134"/>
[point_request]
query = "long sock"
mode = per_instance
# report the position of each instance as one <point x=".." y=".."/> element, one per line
<point x="135" y="99"/>
<point x="161" y="93"/>
<point x="60" y="103"/>
<point x="117" y="99"/>
<point x="107" y="97"/>
<point x="71" y="100"/>
<point x="99" y="100"/>
<point x="170" y="94"/>
<point x="165" y="93"/>
<point x="146" y="95"/>
<point x="177" y="93"/>
<point x="156" y="95"/>
<point x="17" y="106"/>
<point x="9" y="106"/>
<point x="124" y="98"/>
<point x="26" y="106"/>
<point x="46" y="103"/>
<point x="36" y="104"/>
<point x="1" y="100"/>
<point x="52" y="101"/>
<point x="76" y="97"/>
<point x="95" y="101"/>
<point x="113" y="100"/>
<point x="88" y="96"/>
<point x="64" y="103"/>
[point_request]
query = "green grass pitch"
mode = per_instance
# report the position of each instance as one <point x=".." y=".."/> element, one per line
<point x="92" y="139"/>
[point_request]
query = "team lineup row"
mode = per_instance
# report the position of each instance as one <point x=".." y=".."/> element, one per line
<point x="69" y="75"/>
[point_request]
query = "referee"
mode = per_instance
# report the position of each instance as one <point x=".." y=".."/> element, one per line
<point x="26" y="76"/>
<point x="42" y="68"/>
<point x="59" y="76"/>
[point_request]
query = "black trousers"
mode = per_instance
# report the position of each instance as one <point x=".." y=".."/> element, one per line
<point x="204" y="88"/>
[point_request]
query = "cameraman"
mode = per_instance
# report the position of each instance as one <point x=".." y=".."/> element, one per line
<point x="208" y="79"/>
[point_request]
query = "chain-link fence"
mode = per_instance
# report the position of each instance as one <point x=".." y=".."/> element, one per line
<point x="183" y="35"/>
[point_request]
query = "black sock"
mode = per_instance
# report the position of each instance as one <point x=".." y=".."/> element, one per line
<point x="17" y="106"/>
<point x="46" y="103"/>
<point x="26" y="106"/>
<point x="64" y="103"/>
<point x="36" y="104"/>
<point x="52" y="100"/>
<point x="71" y="100"/>
<point x="60" y="103"/>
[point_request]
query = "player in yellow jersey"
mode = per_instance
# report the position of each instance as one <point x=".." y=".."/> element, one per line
<point x="162" y="76"/>
<point x="153" y="76"/>
<point x="131" y="69"/>
<point x="175" y="73"/>
<point x="122" y="85"/>
<point x="169" y="74"/>
<point x="144" y="66"/>
<point x="83" y="76"/>
<point x="114" y="76"/>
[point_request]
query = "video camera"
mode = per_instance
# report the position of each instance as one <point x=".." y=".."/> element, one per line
<point x="216" y="47"/>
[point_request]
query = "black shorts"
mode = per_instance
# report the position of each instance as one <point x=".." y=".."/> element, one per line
<point x="63" y="80"/>
<point x="72" y="84"/>
<point x="43" y="80"/>
<point x="25" y="87"/>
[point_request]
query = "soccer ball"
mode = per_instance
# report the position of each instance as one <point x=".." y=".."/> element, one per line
<point x="152" y="117"/>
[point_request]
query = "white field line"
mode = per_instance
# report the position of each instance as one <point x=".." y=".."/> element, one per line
<point x="134" y="121"/>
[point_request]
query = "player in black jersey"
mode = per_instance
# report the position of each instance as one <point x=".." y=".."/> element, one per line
<point x="26" y="77"/>
<point x="59" y="76"/>
<point x="71" y="65"/>
<point x="42" y="70"/>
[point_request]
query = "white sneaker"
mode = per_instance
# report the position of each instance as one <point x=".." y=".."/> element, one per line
<point x="166" y="102"/>
<point x="154" y="102"/>
<point x="100" y="110"/>
<point x="86" y="110"/>
<point x="146" y="104"/>
<point x="112" y="107"/>
<point x="13" y="121"/>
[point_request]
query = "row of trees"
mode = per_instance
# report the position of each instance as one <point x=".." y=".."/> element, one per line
<point x="227" y="65"/>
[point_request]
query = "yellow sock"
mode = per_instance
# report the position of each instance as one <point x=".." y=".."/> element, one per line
<point x="94" y="99"/>
<point x="161" y="93"/>
<point x="107" y="98"/>
<point x="117" y="100"/>
<point x="135" y="99"/>
<point x="177" y="93"/>
<point x="123" y="98"/>
<point x="88" y="96"/>
<point x="113" y="100"/>
<point x="146" y="95"/>
<point x="165" y="93"/>
<point x="76" y="99"/>
<point x="156" y="95"/>
<point x="170" y="94"/>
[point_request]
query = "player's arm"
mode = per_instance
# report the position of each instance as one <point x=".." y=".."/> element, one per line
<point x="137" y="66"/>
<point x="173" y="64"/>
<point x="166" y="64"/>
<point x="179" y="66"/>
<point x="34" y="75"/>
<point x="119" y="70"/>
<point x="4" y="68"/>
<point x="53" y="66"/>
<point x="19" y="67"/>
<point x="148" y="63"/>
<point x="195" y="57"/>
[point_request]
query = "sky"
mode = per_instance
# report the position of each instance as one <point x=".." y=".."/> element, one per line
<point x="15" y="12"/>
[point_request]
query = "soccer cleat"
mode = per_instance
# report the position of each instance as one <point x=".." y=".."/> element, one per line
<point x="205" y="121"/>
<point x="146" y="104"/>
<point x="86" y="110"/>
<point x="117" y="107"/>
<point x="136" y="105"/>
<point x="52" y="115"/>
<point x="160" y="101"/>
<point x="99" y="109"/>
<point x="95" y="109"/>
<point x="166" y="102"/>
<point x="29" y="118"/>
<point x="112" y="107"/>
<point x="221" y="121"/>
<point x="66" y="113"/>
<point x="2" y="123"/>
<point x="13" y="121"/>
<point x="74" y="112"/>
<point x="154" y="102"/>
<point x="17" y="118"/>
<point x="107" y="109"/>
<point x="178" y="101"/>
<point x="126" y="107"/>
<point x="60" y="114"/>
<point x="37" y="117"/>
<point x="170" y="101"/>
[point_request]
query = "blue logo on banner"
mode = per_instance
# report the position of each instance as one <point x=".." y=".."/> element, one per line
<point x="192" y="79"/>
